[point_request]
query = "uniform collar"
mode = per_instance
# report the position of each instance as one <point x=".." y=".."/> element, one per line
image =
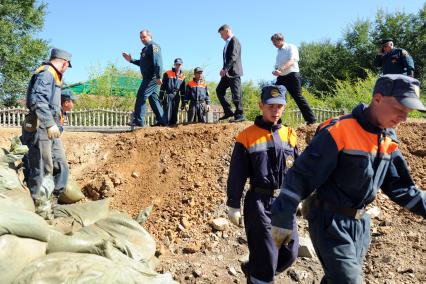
<point x="267" y="125"/>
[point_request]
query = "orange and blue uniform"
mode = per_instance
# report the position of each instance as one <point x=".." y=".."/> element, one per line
<point x="172" y="92"/>
<point x="44" y="99"/>
<point x="197" y="94"/>
<point x="347" y="162"/>
<point x="263" y="153"/>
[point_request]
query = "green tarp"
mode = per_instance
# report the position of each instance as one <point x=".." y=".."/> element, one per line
<point x="120" y="85"/>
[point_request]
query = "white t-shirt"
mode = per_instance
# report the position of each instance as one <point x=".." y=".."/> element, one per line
<point x="287" y="52"/>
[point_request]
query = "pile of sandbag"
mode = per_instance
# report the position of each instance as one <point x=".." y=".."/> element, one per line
<point x="85" y="243"/>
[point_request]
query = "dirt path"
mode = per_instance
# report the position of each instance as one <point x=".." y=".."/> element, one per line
<point x="182" y="172"/>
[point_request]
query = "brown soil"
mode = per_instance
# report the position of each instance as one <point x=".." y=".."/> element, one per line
<point x="182" y="172"/>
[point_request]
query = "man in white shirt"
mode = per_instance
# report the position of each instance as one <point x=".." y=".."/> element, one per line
<point x="287" y="73"/>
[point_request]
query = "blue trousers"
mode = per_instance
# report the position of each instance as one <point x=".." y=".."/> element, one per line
<point x="148" y="90"/>
<point x="265" y="259"/>
<point x="171" y="108"/>
<point x="341" y="244"/>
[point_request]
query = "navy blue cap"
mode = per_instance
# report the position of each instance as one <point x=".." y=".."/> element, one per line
<point x="198" y="70"/>
<point x="273" y="94"/>
<point x="178" y="61"/>
<point x="404" y="88"/>
<point x="385" y="40"/>
<point x="68" y="95"/>
<point x="61" y="54"/>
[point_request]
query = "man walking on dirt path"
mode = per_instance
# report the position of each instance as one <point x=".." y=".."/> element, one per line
<point x="263" y="153"/>
<point x="347" y="161"/>
<point x="230" y="75"/>
<point x="172" y="91"/>
<point x="394" y="60"/>
<point x="150" y="64"/>
<point x="40" y="131"/>
<point x="287" y="73"/>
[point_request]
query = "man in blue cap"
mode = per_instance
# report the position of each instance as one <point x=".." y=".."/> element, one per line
<point x="348" y="160"/>
<point x="40" y="131"/>
<point x="150" y="64"/>
<point x="263" y="153"/>
<point x="394" y="60"/>
<point x="172" y="91"/>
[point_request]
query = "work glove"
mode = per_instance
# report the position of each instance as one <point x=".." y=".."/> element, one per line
<point x="280" y="236"/>
<point x="207" y="108"/>
<point x="53" y="132"/>
<point x="234" y="216"/>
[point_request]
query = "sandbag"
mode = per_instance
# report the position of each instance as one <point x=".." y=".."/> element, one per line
<point x="16" y="253"/>
<point x="72" y="192"/>
<point x="64" y="225"/>
<point x="18" y="197"/>
<point x="84" y="213"/>
<point x="83" y="268"/>
<point x="22" y="223"/>
<point x="138" y="243"/>
<point x="9" y="178"/>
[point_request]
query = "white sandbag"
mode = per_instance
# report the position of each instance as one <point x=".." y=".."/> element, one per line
<point x="80" y="268"/>
<point x="84" y="213"/>
<point x="16" y="253"/>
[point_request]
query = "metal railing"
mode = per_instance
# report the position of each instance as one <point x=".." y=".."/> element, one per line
<point x="116" y="120"/>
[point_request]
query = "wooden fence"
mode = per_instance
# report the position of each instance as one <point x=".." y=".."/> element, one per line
<point x="116" y="120"/>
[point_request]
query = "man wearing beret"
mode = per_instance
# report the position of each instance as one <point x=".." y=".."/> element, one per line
<point x="348" y="160"/>
<point x="40" y="131"/>
<point x="263" y="153"/>
<point x="394" y="60"/>
<point x="150" y="64"/>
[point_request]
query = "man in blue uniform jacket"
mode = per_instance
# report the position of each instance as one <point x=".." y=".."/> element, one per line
<point x="150" y="64"/>
<point x="348" y="160"/>
<point x="394" y="60"/>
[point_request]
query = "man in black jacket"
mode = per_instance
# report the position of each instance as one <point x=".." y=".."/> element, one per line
<point x="230" y="75"/>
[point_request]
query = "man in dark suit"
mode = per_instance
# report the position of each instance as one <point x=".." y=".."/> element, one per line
<point x="230" y="75"/>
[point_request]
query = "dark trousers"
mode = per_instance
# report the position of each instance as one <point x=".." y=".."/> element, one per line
<point x="341" y="244"/>
<point x="171" y="108"/>
<point x="59" y="159"/>
<point x="235" y="85"/>
<point x="293" y="85"/>
<point x="196" y="112"/>
<point x="148" y="90"/>
<point x="265" y="259"/>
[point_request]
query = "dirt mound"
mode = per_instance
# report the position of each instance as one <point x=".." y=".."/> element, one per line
<point x="182" y="172"/>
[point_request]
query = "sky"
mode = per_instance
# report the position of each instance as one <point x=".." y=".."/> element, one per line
<point x="97" y="32"/>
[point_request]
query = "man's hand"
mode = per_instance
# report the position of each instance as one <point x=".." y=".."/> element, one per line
<point x="207" y="108"/>
<point x="222" y="73"/>
<point x="53" y="132"/>
<point x="159" y="82"/>
<point x="186" y="107"/>
<point x="280" y="236"/>
<point x="277" y="72"/>
<point x="234" y="216"/>
<point x="127" y="56"/>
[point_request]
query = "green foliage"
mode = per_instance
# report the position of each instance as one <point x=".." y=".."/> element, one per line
<point x="20" y="51"/>
<point x="325" y="64"/>
<point x="348" y="94"/>
<point x="103" y="92"/>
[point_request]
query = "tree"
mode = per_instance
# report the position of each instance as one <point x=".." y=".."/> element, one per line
<point x="20" y="51"/>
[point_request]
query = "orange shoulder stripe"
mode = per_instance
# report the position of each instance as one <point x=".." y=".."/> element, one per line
<point x="350" y="136"/>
